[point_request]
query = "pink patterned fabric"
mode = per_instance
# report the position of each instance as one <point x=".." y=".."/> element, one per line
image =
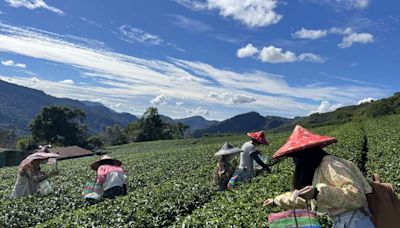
<point x="26" y="164"/>
<point x="301" y="139"/>
<point x="103" y="170"/>
<point x="290" y="214"/>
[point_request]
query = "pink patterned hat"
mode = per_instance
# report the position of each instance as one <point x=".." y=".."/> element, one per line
<point x="301" y="139"/>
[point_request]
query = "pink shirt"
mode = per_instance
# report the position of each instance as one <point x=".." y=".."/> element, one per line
<point x="103" y="170"/>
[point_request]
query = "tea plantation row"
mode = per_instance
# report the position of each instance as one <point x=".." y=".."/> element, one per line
<point x="170" y="182"/>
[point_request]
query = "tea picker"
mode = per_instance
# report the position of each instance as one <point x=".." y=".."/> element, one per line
<point x="31" y="180"/>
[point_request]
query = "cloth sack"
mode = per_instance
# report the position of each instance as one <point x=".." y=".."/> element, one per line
<point x="383" y="204"/>
<point x="303" y="218"/>
<point x="92" y="190"/>
<point x="45" y="188"/>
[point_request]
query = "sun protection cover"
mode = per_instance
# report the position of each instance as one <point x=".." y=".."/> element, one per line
<point x="301" y="139"/>
<point x="228" y="149"/>
<point x="105" y="160"/>
<point x="258" y="136"/>
<point x="38" y="156"/>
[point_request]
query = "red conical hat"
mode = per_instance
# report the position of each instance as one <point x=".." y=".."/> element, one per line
<point x="301" y="139"/>
<point x="258" y="136"/>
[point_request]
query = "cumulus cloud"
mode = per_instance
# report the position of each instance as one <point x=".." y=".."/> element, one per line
<point x="365" y="100"/>
<point x="159" y="100"/>
<point x="362" y="38"/>
<point x="248" y="51"/>
<point x="199" y="111"/>
<point x="252" y="13"/>
<point x="310" y="57"/>
<point x="67" y="81"/>
<point x="310" y="34"/>
<point x="34" y="4"/>
<point x="326" y="106"/>
<point x="132" y="34"/>
<point x="230" y="98"/>
<point x="12" y="63"/>
<point x="273" y="54"/>
<point x="349" y="36"/>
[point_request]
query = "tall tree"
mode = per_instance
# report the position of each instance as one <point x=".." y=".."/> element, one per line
<point x="152" y="127"/>
<point x="59" y="125"/>
<point x="115" y="135"/>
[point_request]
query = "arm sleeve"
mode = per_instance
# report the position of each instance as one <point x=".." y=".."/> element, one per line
<point x="254" y="155"/>
<point x="342" y="190"/>
<point x="287" y="201"/>
<point x="37" y="176"/>
<point x="101" y="175"/>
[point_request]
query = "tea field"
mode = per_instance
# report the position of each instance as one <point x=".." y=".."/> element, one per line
<point x="171" y="182"/>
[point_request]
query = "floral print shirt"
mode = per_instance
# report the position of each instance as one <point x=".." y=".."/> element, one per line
<point x="341" y="187"/>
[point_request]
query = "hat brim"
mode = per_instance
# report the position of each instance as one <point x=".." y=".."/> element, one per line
<point x="107" y="161"/>
<point x="262" y="141"/>
<point x="296" y="150"/>
<point x="228" y="152"/>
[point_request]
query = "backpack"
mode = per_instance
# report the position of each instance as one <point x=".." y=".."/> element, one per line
<point x="383" y="204"/>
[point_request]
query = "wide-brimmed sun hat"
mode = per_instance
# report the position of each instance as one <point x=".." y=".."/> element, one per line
<point x="38" y="156"/>
<point x="105" y="160"/>
<point x="228" y="149"/>
<point x="301" y="139"/>
<point x="258" y="136"/>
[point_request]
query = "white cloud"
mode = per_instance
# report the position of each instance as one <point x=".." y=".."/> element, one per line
<point x="159" y="100"/>
<point x="119" y="78"/>
<point x="362" y="38"/>
<point x="345" y="4"/>
<point x="341" y="31"/>
<point x="198" y="112"/>
<point x="248" y="51"/>
<point x="310" y="34"/>
<point x="252" y="13"/>
<point x="67" y="81"/>
<point x="273" y="54"/>
<point x="190" y="24"/>
<point x="179" y="103"/>
<point x="325" y="106"/>
<point x="310" y="57"/>
<point x="34" y="79"/>
<point x="12" y="63"/>
<point x="118" y="105"/>
<point x="34" y="4"/>
<point x="131" y="34"/>
<point x="349" y="36"/>
<point x="230" y="98"/>
<point x="365" y="100"/>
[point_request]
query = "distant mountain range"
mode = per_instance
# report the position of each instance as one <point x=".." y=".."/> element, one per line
<point x="19" y="105"/>
<point x="242" y="123"/>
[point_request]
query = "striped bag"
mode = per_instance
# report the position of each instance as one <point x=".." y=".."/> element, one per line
<point x="92" y="190"/>
<point x="302" y="218"/>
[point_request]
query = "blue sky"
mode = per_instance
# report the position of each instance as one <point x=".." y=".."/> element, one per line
<point x="215" y="58"/>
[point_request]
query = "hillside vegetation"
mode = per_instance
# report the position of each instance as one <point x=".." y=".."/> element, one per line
<point x="170" y="182"/>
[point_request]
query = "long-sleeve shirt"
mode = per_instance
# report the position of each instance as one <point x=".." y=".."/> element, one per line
<point x="224" y="171"/>
<point x="110" y="176"/>
<point x="341" y="186"/>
